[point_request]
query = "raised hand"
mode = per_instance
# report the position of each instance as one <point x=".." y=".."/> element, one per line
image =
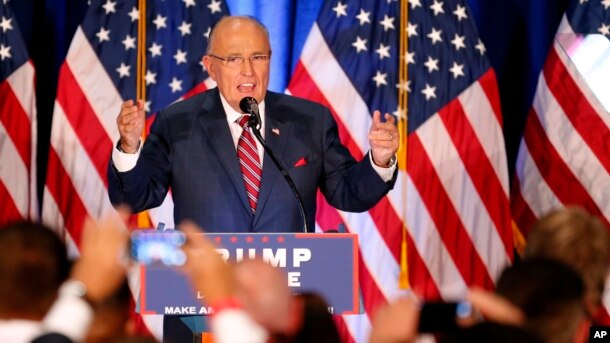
<point x="130" y="122"/>
<point x="384" y="139"/>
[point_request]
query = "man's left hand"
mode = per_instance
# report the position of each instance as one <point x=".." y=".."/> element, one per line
<point x="384" y="139"/>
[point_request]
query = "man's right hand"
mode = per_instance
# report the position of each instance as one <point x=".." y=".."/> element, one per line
<point x="131" y="124"/>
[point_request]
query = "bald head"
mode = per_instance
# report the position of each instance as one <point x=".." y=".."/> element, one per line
<point x="236" y="22"/>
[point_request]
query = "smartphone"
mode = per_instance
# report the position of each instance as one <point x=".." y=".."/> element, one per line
<point x="436" y="317"/>
<point x="156" y="247"/>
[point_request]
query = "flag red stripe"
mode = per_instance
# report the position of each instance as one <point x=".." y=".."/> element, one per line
<point x="446" y="218"/>
<point x="84" y="121"/>
<point x="420" y="280"/>
<point x="372" y="296"/>
<point x="577" y="108"/>
<point x="16" y="122"/>
<point x="66" y="197"/>
<point x="8" y="210"/>
<point x="386" y="219"/>
<point x="479" y="168"/>
<point x="554" y="170"/>
<point x="326" y="215"/>
<point x="489" y="84"/>
<point x="344" y="333"/>
<point x="307" y="89"/>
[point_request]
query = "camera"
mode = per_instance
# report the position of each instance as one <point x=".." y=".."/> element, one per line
<point x="158" y="247"/>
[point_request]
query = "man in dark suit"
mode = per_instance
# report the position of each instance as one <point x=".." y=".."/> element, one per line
<point x="192" y="148"/>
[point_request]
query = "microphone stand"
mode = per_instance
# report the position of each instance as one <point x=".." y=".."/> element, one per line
<point x="255" y="125"/>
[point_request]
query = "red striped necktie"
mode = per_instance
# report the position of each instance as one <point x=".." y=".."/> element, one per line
<point x="249" y="162"/>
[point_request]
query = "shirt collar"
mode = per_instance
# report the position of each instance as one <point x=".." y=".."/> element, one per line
<point x="233" y="115"/>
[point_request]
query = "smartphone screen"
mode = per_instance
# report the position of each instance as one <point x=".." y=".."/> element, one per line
<point x="152" y="247"/>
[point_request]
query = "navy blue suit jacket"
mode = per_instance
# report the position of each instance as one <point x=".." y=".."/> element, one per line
<point x="190" y="149"/>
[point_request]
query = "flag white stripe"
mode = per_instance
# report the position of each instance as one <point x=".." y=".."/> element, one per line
<point x="535" y="191"/>
<point x="573" y="150"/>
<point x="430" y="247"/>
<point x="13" y="174"/>
<point x="488" y="130"/>
<point x="381" y="263"/>
<point x="53" y="218"/>
<point x="331" y="79"/>
<point x="77" y="163"/>
<point x="95" y="83"/>
<point x="464" y="196"/>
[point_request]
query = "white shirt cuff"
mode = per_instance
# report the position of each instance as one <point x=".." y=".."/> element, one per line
<point x="70" y="316"/>
<point x="225" y="322"/>
<point x="384" y="173"/>
<point x="124" y="162"/>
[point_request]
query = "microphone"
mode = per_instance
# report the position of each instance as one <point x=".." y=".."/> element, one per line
<point x="250" y="105"/>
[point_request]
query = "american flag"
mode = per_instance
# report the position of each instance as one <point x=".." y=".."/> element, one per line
<point x="18" y="199"/>
<point x="564" y="157"/>
<point x="98" y="74"/>
<point x="456" y="206"/>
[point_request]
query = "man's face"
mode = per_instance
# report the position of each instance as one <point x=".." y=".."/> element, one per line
<point x="243" y="38"/>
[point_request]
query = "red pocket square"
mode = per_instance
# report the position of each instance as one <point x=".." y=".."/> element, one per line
<point x="301" y="162"/>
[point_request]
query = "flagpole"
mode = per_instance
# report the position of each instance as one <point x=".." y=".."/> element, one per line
<point x="403" y="280"/>
<point x="143" y="219"/>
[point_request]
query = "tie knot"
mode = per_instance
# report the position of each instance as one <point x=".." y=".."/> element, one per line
<point x="243" y="121"/>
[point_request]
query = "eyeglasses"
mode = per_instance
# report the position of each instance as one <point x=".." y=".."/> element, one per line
<point x="236" y="61"/>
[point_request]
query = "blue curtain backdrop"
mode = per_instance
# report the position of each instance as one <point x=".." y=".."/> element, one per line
<point x="517" y="34"/>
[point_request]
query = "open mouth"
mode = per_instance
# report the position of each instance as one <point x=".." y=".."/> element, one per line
<point x="246" y="87"/>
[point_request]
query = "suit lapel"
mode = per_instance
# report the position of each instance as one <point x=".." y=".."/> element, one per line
<point x="277" y="131"/>
<point x="214" y="122"/>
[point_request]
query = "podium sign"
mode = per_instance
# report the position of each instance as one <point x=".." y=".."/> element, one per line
<point x="322" y="263"/>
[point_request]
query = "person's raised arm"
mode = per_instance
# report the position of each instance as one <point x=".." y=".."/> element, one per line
<point x="130" y="123"/>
